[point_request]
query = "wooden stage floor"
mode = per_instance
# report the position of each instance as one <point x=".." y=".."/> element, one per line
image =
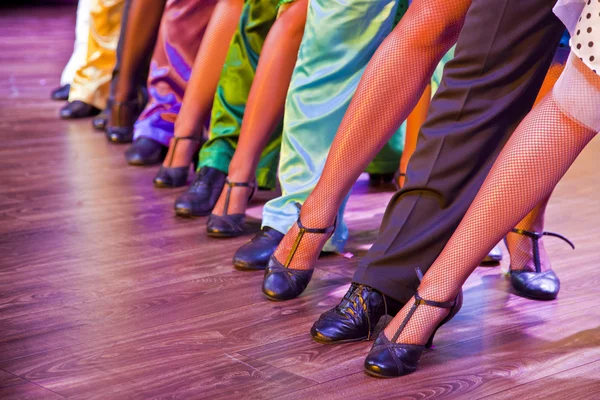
<point x="105" y="294"/>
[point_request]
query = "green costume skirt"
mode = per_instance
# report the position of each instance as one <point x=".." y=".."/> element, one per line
<point x="232" y="94"/>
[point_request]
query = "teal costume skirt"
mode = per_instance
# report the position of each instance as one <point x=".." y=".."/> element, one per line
<point x="339" y="40"/>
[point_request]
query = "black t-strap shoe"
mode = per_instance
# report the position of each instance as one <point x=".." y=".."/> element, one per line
<point x="284" y="283"/>
<point x="388" y="359"/>
<point x="228" y="225"/>
<point x="536" y="285"/>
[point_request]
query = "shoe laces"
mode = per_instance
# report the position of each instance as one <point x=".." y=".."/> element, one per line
<point x="352" y="302"/>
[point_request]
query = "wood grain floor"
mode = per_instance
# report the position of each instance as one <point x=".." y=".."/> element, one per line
<point x="105" y="294"/>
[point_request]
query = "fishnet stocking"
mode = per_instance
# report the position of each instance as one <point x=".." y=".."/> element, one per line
<point x="390" y="87"/>
<point x="519" y="246"/>
<point x="533" y="161"/>
<point x="202" y="85"/>
<point x="142" y="26"/>
<point x="266" y="100"/>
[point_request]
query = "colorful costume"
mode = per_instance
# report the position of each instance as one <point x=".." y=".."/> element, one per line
<point x="181" y="30"/>
<point x="91" y="82"/>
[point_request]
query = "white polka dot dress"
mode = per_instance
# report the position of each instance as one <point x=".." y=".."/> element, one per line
<point x="582" y="19"/>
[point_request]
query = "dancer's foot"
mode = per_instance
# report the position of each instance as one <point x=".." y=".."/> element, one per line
<point x="291" y="266"/>
<point x="61" y="93"/>
<point x="78" y="109"/>
<point x="355" y="318"/>
<point x="287" y="279"/>
<point x="238" y="198"/>
<point x="123" y="115"/>
<point x="99" y="122"/>
<point x="255" y="254"/>
<point x="201" y="196"/>
<point x="228" y="217"/>
<point x="399" y="347"/>
<point x="183" y="149"/>
<point x="530" y="272"/>
<point x="145" y="151"/>
<point x="307" y="251"/>
<point x="170" y="174"/>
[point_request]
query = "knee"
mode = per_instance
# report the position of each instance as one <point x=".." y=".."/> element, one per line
<point x="426" y="27"/>
<point x="291" y="19"/>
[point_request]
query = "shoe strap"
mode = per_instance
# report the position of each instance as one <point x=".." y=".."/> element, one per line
<point x="535" y="237"/>
<point x="421" y="301"/>
<point x="439" y="304"/>
<point x="230" y="186"/>
<point x="176" y="140"/>
<point x="538" y="235"/>
<point x="301" y="233"/>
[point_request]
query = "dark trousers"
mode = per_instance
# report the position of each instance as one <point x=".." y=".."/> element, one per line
<point x="502" y="56"/>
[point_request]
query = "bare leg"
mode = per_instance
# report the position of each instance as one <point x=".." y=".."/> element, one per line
<point x="265" y="101"/>
<point x="201" y="87"/>
<point x="142" y="26"/>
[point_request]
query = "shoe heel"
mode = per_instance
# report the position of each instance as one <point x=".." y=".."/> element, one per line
<point x="429" y="343"/>
<point x="380" y="326"/>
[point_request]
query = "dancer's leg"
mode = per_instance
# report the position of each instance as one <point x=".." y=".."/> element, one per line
<point x="535" y="158"/>
<point x="141" y="22"/>
<point x="182" y="28"/>
<point x="521" y="247"/>
<point x="266" y="100"/>
<point x="201" y="87"/>
<point x="390" y="87"/>
<point x="142" y="25"/>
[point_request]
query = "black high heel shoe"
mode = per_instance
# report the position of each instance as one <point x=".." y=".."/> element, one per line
<point x="283" y="283"/>
<point x="228" y="225"/>
<point x="171" y="177"/>
<point x="121" y="118"/>
<point x="388" y="359"/>
<point x="537" y="285"/>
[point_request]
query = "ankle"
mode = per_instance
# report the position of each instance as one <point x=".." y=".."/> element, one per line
<point x="313" y="214"/>
<point x="240" y="175"/>
<point x="125" y="95"/>
<point x="521" y="251"/>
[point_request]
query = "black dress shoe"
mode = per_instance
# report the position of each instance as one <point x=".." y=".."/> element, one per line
<point x="99" y="122"/>
<point x="255" y="254"/>
<point x="145" y="151"/>
<point x="536" y="285"/>
<point x="202" y="195"/>
<point x="284" y="283"/>
<point x="388" y="359"/>
<point x="78" y="109"/>
<point x="355" y="317"/>
<point x="61" y="93"/>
